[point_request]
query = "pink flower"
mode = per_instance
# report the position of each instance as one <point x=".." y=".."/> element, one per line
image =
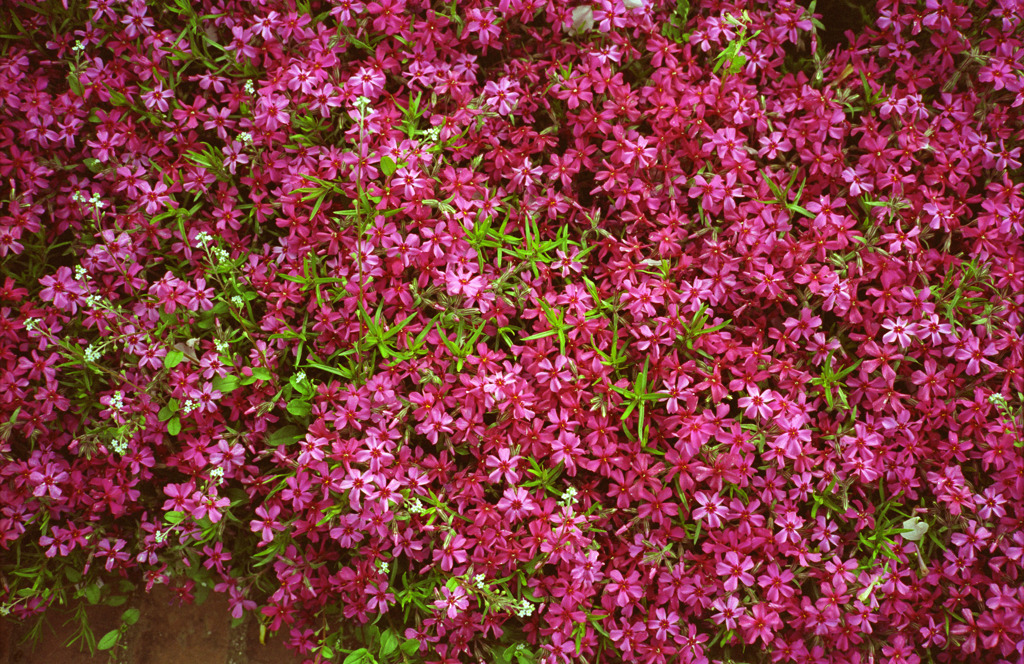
<point x="503" y="464"/>
<point x="736" y="570"/>
<point x="62" y="289"/>
<point x="501" y="95"/>
<point x="757" y="403"/>
<point x="712" y="509"/>
<point x="624" y="589"/>
<point x="267" y="522"/>
<point x="899" y="331"/>
<point x="516" y="503"/>
<point x="452" y="601"/>
<point x="729" y="611"/>
<point x="760" y="624"/>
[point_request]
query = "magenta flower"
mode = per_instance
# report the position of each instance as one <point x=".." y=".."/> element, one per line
<point x="624" y="590"/>
<point x="736" y="570"/>
<point x="516" y="503"/>
<point x="267" y="524"/>
<point x="712" y="509"/>
<point x="453" y="601"/>
<point x="757" y="403"/>
<point x="504" y="464"/>
<point x="62" y="289"/>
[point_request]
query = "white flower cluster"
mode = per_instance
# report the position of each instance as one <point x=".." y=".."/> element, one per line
<point x="385" y="567"/>
<point x="524" y="609"/>
<point x="221" y="255"/>
<point x="82" y="197"/>
<point x="245" y="138"/>
<point x="415" y="506"/>
<point x="237" y="301"/>
<point x="119" y="446"/>
<point x="79" y="47"/>
<point x="250" y="89"/>
<point x="189" y="406"/>
<point x="361" y="104"/>
<point x="568" y="496"/>
<point x="31" y="324"/>
<point x="997" y="400"/>
<point x="222" y="346"/>
<point x="300" y="376"/>
<point x="160" y="536"/>
<point x="480" y="582"/>
<point x="217" y="475"/>
<point x="117" y="402"/>
<point x="203" y="238"/>
<point x="92" y="353"/>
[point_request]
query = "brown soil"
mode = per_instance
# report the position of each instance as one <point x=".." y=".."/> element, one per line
<point x="166" y="633"/>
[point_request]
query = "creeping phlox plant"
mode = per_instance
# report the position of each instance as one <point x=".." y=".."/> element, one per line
<point x="519" y="331"/>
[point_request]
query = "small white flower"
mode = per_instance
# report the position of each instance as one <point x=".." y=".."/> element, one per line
<point x="250" y="89"/>
<point x="237" y="301"/>
<point x="222" y="346"/>
<point x="92" y="354"/>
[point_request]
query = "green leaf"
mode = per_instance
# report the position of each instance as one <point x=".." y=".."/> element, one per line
<point x="173" y="359"/>
<point x="261" y="373"/>
<point x="410" y="646"/>
<point x="359" y="656"/>
<point x="225" y="383"/>
<point x="92" y="594"/>
<point x="75" y="84"/>
<point x="299" y="408"/>
<point x="173" y="517"/>
<point x="174" y="426"/>
<point x="388" y="166"/>
<point x="109" y="640"/>
<point x="116" y="600"/>
<point x="130" y="616"/>
<point x="388" y="643"/>
<point x="284" y="436"/>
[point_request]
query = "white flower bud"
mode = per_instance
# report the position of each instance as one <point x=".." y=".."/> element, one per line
<point x="916" y="529"/>
<point x="582" y="19"/>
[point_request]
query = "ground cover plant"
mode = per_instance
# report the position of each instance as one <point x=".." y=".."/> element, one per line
<point x="520" y="331"/>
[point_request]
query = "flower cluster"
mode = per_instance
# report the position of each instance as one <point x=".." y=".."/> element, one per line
<point x="624" y="330"/>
